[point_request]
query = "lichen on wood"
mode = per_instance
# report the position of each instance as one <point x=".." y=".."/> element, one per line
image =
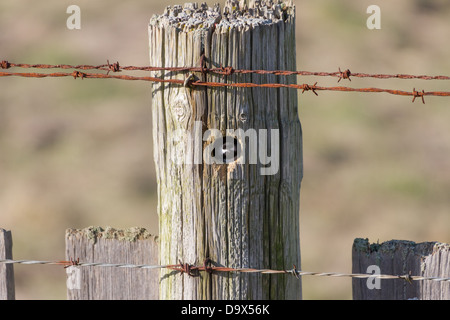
<point x="228" y="212"/>
<point x="94" y="233"/>
<point x="134" y="246"/>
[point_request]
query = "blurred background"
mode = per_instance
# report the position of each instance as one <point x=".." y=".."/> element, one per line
<point x="79" y="153"/>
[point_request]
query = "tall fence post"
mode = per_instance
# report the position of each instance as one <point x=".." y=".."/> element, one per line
<point x="396" y="257"/>
<point x="7" y="287"/>
<point x="229" y="160"/>
<point x="131" y="246"/>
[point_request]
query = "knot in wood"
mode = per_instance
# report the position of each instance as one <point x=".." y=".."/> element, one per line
<point x="179" y="110"/>
<point x="243" y="117"/>
<point x="285" y="188"/>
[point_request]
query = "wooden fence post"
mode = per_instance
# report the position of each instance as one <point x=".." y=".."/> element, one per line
<point x="130" y="246"/>
<point x="7" y="288"/>
<point x="229" y="160"/>
<point x="395" y="257"/>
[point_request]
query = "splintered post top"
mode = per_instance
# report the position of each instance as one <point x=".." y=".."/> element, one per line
<point x="235" y="13"/>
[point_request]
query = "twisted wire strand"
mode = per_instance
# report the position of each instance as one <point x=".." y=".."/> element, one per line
<point x="303" y="87"/>
<point x="182" y="268"/>
<point x="227" y="70"/>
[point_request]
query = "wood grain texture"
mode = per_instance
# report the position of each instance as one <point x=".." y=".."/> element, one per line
<point x="7" y="287"/>
<point x="109" y="245"/>
<point x="230" y="212"/>
<point x="396" y="257"/>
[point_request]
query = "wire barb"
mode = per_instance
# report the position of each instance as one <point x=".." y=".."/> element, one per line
<point x="226" y="71"/>
<point x="207" y="265"/>
<point x="114" y="67"/>
<point x="407" y="277"/>
<point x="5" y="64"/>
<point x="307" y="87"/>
<point x="344" y="75"/>
<point x="192" y="80"/>
<point x="77" y="74"/>
<point x="70" y="263"/>
<point x="294" y="272"/>
<point x="418" y="94"/>
<point x="193" y="270"/>
<point x="229" y="70"/>
<point x="185" y="268"/>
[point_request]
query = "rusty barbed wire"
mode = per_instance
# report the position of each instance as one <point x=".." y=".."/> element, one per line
<point x="192" y="270"/>
<point x="115" y="67"/>
<point x="225" y="71"/>
<point x="304" y="87"/>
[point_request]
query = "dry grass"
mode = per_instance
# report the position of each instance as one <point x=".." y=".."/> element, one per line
<point x="79" y="153"/>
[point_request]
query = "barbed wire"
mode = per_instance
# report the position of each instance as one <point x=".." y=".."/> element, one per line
<point x="192" y="81"/>
<point x="226" y="71"/>
<point x="189" y="81"/>
<point x="192" y="270"/>
<point x="115" y="67"/>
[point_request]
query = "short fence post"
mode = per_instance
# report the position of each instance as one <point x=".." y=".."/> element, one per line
<point x="7" y="288"/>
<point x="94" y="244"/>
<point x="396" y="257"/>
<point x="229" y="160"/>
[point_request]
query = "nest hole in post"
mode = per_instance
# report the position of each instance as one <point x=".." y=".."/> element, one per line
<point x="226" y="150"/>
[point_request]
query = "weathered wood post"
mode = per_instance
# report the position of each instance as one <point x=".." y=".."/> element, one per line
<point x="396" y="257"/>
<point x="108" y="245"/>
<point x="7" y="288"/>
<point x="229" y="160"/>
